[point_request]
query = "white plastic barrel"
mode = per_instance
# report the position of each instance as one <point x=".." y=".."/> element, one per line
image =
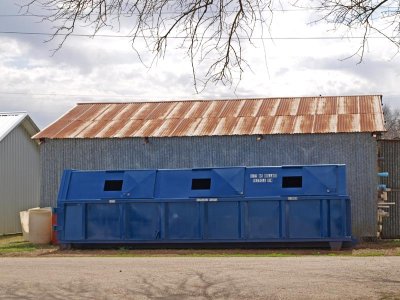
<point x="40" y="225"/>
<point x="24" y="217"/>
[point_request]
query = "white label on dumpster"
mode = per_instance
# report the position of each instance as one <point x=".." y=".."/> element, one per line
<point x="111" y="201"/>
<point x="292" y="198"/>
<point x="263" y="178"/>
<point x="207" y="199"/>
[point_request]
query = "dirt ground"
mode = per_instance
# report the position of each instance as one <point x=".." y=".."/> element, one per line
<point x="305" y="277"/>
<point x="367" y="271"/>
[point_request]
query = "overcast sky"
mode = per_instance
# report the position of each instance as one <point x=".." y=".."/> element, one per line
<point x="107" y="69"/>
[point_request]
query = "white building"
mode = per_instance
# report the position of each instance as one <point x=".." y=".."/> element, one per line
<point x="19" y="169"/>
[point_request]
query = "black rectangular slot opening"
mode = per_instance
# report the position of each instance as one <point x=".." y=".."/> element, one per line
<point x="113" y="185"/>
<point x="292" y="182"/>
<point x="201" y="183"/>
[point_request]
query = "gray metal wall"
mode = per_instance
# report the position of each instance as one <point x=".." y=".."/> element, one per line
<point x="19" y="178"/>
<point x="390" y="151"/>
<point x="357" y="151"/>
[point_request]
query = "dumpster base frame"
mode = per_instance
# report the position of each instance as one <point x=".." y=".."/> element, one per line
<point x="333" y="244"/>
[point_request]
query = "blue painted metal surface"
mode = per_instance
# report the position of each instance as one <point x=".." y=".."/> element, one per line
<point x="237" y="204"/>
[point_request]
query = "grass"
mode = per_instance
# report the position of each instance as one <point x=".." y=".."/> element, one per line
<point x="370" y="253"/>
<point x="132" y="254"/>
<point x="375" y="252"/>
<point x="13" y="244"/>
<point x="393" y="243"/>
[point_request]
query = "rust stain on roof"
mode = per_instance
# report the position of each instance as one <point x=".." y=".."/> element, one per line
<point x="264" y="125"/>
<point x="93" y="128"/>
<point x="128" y="129"/>
<point x="326" y="106"/>
<point x="307" y="106"/>
<point x="325" y="124"/>
<point x="245" y="125"/>
<point x="287" y="107"/>
<point x="72" y="129"/>
<point x="148" y="128"/>
<point x="344" y="122"/>
<point x="283" y="124"/>
<point x="54" y="128"/>
<point x="110" y="129"/>
<point x="231" y="109"/>
<point x="206" y="127"/>
<point x="167" y="128"/>
<point x="368" y="121"/>
<point x="161" y="110"/>
<point x="303" y="115"/>
<point x="186" y="125"/>
<point x="249" y="108"/>
<point x="198" y="109"/>
<point x="347" y="105"/>
<point x="112" y="112"/>
<point x="268" y="107"/>
<point x="93" y="112"/>
<point x="127" y="111"/>
<point x="366" y="106"/>
<point x="226" y="126"/>
<point x="304" y="124"/>
<point x="178" y="111"/>
<point x="76" y="112"/>
<point x="143" y="111"/>
<point x="214" y="109"/>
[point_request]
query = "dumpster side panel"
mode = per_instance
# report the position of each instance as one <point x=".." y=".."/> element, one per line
<point x="304" y="219"/>
<point x="143" y="221"/>
<point x="103" y="222"/>
<point x="337" y="219"/>
<point x="183" y="221"/>
<point x="223" y="220"/>
<point x="74" y="222"/>
<point x="263" y="219"/>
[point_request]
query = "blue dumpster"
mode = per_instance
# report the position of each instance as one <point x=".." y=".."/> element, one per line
<point x="287" y="204"/>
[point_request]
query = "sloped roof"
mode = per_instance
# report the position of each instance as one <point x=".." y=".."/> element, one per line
<point x="220" y="117"/>
<point x="10" y="120"/>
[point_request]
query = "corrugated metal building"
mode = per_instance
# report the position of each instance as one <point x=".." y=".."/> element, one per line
<point x="249" y="132"/>
<point x="389" y="150"/>
<point x="19" y="169"/>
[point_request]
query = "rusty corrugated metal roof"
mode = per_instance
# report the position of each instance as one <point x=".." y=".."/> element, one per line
<point x="220" y="117"/>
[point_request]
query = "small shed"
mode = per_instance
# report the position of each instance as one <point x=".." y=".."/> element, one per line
<point x="19" y="169"/>
<point x="220" y="133"/>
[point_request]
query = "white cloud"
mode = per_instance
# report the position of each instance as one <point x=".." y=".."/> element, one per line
<point x="107" y="69"/>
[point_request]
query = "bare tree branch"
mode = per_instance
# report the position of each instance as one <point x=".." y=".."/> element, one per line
<point x="212" y="31"/>
<point x="371" y="17"/>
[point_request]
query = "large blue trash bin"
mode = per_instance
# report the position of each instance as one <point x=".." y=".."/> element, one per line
<point x="288" y="204"/>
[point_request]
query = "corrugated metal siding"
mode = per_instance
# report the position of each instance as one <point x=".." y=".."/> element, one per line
<point x="357" y="151"/>
<point x="390" y="150"/>
<point x="19" y="178"/>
